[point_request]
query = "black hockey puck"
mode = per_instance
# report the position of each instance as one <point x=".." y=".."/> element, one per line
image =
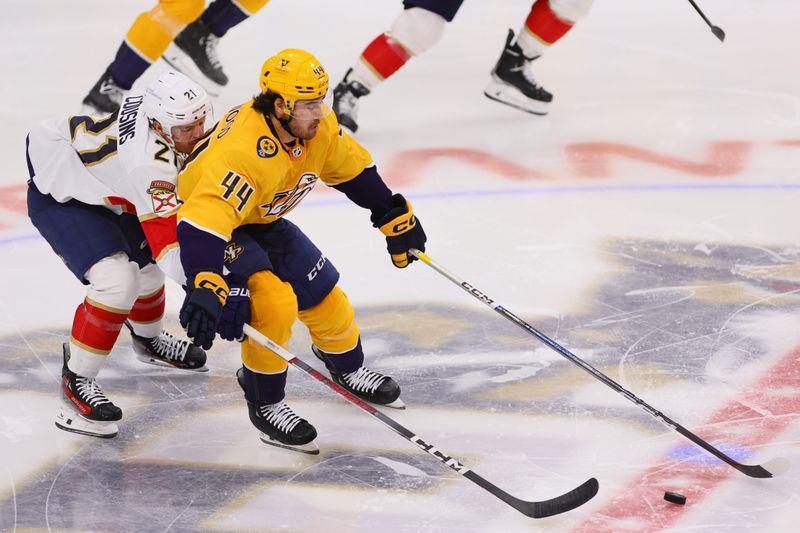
<point x="674" y="497"/>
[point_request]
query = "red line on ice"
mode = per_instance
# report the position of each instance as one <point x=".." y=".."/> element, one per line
<point x="640" y="506"/>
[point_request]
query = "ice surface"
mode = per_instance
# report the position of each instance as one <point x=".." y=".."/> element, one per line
<point x="648" y="224"/>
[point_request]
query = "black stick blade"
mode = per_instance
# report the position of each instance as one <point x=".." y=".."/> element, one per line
<point x="754" y="471"/>
<point x="565" y="502"/>
<point x="717" y="31"/>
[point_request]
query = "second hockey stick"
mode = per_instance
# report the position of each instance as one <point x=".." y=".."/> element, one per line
<point x="716" y="30"/>
<point x="560" y="504"/>
<point x="750" y="470"/>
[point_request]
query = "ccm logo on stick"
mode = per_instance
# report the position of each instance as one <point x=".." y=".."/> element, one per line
<point x="477" y="293"/>
<point x="431" y="449"/>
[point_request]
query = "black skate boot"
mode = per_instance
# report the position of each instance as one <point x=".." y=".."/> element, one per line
<point x="367" y="384"/>
<point x="513" y="83"/>
<point x="194" y="52"/>
<point x="168" y="350"/>
<point x="280" y="426"/>
<point x="104" y="98"/>
<point x="345" y="101"/>
<point x="84" y="408"/>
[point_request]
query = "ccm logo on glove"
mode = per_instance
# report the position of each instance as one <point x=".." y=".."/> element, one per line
<point x="403" y="231"/>
<point x="213" y="282"/>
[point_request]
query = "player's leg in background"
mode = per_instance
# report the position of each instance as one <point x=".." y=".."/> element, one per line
<point x="89" y="241"/>
<point x="337" y="343"/>
<point x="512" y="80"/>
<point x="326" y="311"/>
<point x="417" y="28"/>
<point x="146" y="40"/>
<point x="146" y="320"/>
<point x="194" y="51"/>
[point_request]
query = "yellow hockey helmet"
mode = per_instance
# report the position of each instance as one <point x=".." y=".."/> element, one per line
<point x="294" y="75"/>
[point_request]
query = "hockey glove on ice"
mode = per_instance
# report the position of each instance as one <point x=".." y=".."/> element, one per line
<point x="403" y="231"/>
<point x="236" y="311"/>
<point x="205" y="296"/>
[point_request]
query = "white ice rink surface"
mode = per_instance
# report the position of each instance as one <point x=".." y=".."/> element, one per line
<point x="649" y="224"/>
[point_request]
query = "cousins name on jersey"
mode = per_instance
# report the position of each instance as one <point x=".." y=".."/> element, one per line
<point x="127" y="117"/>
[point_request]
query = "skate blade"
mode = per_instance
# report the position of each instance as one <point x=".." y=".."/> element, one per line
<point x="157" y="362"/>
<point x="309" y="448"/>
<point x="397" y="404"/>
<point x="511" y="96"/>
<point x="180" y="61"/>
<point x="69" y="420"/>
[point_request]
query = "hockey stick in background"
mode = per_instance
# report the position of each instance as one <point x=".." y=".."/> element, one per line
<point x="716" y="30"/>
<point x="750" y="470"/>
<point x="559" y="504"/>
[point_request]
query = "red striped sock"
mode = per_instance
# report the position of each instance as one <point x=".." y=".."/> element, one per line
<point x="544" y="24"/>
<point x="148" y="309"/>
<point x="385" y="56"/>
<point x="96" y="327"/>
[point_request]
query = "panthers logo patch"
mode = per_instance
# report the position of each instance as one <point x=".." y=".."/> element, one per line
<point x="162" y="194"/>
<point x="266" y="147"/>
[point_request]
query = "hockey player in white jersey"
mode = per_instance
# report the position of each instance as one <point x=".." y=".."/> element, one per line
<point x="92" y="180"/>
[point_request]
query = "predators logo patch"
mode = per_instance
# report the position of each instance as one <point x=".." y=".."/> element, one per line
<point x="232" y="252"/>
<point x="162" y="194"/>
<point x="266" y="147"/>
<point x="285" y="201"/>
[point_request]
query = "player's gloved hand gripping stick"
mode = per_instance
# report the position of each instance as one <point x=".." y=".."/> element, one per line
<point x="403" y="231"/>
<point x="236" y="311"/>
<point x="206" y="293"/>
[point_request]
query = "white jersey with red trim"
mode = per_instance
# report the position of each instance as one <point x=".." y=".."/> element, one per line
<point x="116" y="161"/>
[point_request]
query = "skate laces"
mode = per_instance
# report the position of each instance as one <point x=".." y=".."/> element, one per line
<point x="525" y="70"/>
<point x="211" y="51"/>
<point x="169" y="347"/>
<point x="346" y="97"/>
<point x="348" y="103"/>
<point x="281" y="416"/>
<point x="112" y="90"/>
<point x="89" y="391"/>
<point x="363" y="379"/>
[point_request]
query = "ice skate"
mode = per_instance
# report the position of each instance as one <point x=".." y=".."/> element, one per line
<point x="104" y="98"/>
<point x="168" y="350"/>
<point x="84" y="408"/>
<point x="194" y="53"/>
<point x="345" y="101"/>
<point x="367" y="384"/>
<point x="513" y="83"/>
<point x="279" y="426"/>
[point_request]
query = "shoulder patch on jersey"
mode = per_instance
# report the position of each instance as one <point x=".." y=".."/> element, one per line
<point x="160" y="184"/>
<point x="162" y="194"/>
<point x="266" y="147"/>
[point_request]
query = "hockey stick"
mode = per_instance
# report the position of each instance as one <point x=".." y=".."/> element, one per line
<point x="559" y="504"/>
<point x="716" y="30"/>
<point x="750" y="470"/>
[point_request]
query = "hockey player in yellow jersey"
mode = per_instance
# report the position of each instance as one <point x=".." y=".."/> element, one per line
<point x="258" y="164"/>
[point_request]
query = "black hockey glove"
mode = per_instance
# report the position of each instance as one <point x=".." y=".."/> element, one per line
<point x="403" y="231"/>
<point x="199" y="315"/>
<point x="236" y="312"/>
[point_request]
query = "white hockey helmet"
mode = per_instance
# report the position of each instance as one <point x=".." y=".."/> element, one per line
<point x="175" y="100"/>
